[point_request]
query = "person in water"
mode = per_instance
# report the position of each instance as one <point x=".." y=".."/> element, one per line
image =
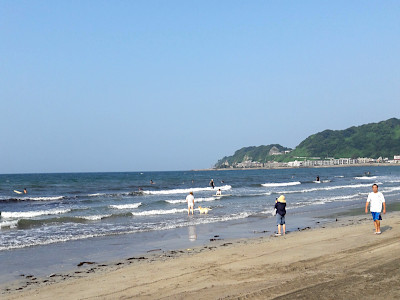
<point x="190" y="202"/>
<point x="317" y="178"/>
<point x="212" y="183"/>
<point x="25" y="191"/>
<point x="219" y="192"/>
<point x="280" y="205"/>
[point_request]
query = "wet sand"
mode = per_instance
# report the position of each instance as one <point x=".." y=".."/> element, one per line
<point x="341" y="260"/>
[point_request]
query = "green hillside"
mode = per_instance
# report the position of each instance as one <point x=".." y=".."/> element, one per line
<point x="370" y="140"/>
<point x="259" y="154"/>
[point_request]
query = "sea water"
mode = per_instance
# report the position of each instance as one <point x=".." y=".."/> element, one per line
<point x="88" y="207"/>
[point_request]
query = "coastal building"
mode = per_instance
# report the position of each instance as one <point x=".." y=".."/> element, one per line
<point x="310" y="162"/>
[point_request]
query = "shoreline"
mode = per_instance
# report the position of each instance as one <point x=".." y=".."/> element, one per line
<point x="333" y="258"/>
<point x="62" y="258"/>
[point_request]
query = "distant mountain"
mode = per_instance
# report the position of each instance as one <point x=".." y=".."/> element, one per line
<point x="370" y="140"/>
<point x="259" y="154"/>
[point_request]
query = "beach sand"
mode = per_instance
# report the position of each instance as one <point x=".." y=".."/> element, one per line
<point x="341" y="260"/>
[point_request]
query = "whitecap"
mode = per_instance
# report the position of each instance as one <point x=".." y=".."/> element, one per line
<point x="328" y="188"/>
<point x="186" y="191"/>
<point x="32" y="214"/>
<point x="94" y="217"/>
<point x="126" y="206"/>
<point x="277" y="184"/>
<point x="9" y="224"/>
<point x="159" y="212"/>
<point x="366" y="178"/>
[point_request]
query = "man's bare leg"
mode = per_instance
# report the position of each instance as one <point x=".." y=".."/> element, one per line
<point x="378" y="226"/>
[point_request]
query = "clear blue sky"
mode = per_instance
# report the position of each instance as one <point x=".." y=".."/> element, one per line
<point x="176" y="85"/>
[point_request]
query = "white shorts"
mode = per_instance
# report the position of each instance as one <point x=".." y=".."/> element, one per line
<point x="190" y="205"/>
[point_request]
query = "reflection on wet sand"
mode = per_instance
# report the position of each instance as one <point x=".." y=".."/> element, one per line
<point x="192" y="233"/>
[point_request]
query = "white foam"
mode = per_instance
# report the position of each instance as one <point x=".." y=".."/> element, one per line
<point x="175" y="201"/>
<point x="319" y="201"/>
<point x="96" y="195"/>
<point x="195" y="200"/>
<point x="366" y="178"/>
<point x="159" y="212"/>
<point x="46" y="198"/>
<point x="9" y="224"/>
<point x="328" y="188"/>
<point x="391" y="189"/>
<point x="187" y="191"/>
<point x="95" y="217"/>
<point x="32" y="214"/>
<point x="59" y="239"/>
<point x="53" y="198"/>
<point x="267" y="212"/>
<point x="277" y="184"/>
<point x="126" y="206"/>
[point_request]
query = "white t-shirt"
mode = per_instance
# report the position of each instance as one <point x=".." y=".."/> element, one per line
<point x="190" y="200"/>
<point x="376" y="200"/>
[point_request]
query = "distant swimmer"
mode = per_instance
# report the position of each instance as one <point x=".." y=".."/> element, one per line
<point x="190" y="202"/>
<point x="25" y="191"/>
<point x="222" y="181"/>
<point x="212" y="183"/>
<point x="317" y="178"/>
<point x="219" y="192"/>
<point x="151" y="182"/>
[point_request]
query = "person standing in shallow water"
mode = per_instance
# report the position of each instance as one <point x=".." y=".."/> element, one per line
<point x="377" y="201"/>
<point x="280" y="206"/>
<point x="212" y="183"/>
<point x="190" y="202"/>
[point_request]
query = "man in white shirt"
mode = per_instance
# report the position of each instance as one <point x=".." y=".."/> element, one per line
<point x="190" y="202"/>
<point x="377" y="201"/>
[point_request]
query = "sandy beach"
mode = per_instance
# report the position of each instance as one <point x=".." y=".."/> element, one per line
<point x="341" y="260"/>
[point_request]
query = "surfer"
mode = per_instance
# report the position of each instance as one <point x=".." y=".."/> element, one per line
<point x="212" y="183"/>
<point x="377" y="200"/>
<point x="190" y="202"/>
<point x="317" y="178"/>
<point x="219" y="193"/>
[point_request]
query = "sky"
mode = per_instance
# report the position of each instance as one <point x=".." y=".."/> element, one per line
<point x="108" y="86"/>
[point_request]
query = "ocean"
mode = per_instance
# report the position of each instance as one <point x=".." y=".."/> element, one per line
<point x="60" y="209"/>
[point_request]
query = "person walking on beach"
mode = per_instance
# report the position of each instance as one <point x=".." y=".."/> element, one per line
<point x="190" y="202"/>
<point x="280" y="205"/>
<point x="377" y="200"/>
